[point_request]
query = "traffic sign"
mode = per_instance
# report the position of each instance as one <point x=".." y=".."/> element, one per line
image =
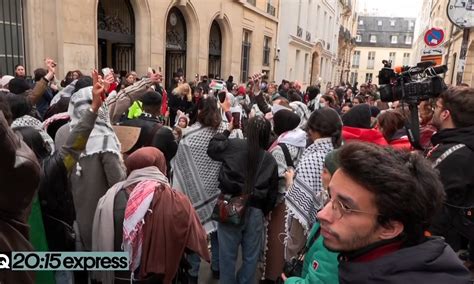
<point x="434" y="37"/>
<point x="461" y="13"/>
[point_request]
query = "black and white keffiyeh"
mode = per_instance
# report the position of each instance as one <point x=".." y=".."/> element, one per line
<point x="196" y="174"/>
<point x="307" y="195"/>
<point x="102" y="138"/>
<point x="29" y="121"/>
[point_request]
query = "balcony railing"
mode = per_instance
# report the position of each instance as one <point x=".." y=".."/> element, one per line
<point x="270" y="9"/>
<point x="299" y="31"/>
<point x="308" y="36"/>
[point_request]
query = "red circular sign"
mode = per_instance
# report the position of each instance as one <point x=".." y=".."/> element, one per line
<point x="434" y="37"/>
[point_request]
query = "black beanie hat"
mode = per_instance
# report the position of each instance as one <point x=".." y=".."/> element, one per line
<point x="18" y="86"/>
<point x="358" y="116"/>
<point x="285" y="120"/>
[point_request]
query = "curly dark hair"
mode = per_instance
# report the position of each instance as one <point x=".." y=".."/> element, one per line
<point x="459" y="101"/>
<point x="406" y="188"/>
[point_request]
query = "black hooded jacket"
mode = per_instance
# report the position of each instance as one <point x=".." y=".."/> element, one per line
<point x="432" y="261"/>
<point x="457" y="176"/>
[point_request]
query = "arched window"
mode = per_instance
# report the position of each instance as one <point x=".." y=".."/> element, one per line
<point x="116" y="30"/>
<point x="215" y="47"/>
<point x="175" y="46"/>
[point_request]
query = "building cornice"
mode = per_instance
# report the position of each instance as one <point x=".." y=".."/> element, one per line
<point x="302" y="43"/>
<point x="258" y="11"/>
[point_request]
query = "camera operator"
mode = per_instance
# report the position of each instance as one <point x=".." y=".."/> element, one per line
<point x="453" y="155"/>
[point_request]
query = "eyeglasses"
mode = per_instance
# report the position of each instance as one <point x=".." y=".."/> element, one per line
<point x="339" y="209"/>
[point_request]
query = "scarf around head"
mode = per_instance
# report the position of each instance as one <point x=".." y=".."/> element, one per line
<point x="102" y="138"/>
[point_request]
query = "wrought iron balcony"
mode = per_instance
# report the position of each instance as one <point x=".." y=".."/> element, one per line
<point x="299" y="31"/>
<point x="270" y="9"/>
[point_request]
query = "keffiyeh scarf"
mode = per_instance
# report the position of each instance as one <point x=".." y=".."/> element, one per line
<point x="307" y="195"/>
<point x="102" y="138"/>
<point x="195" y="173"/>
<point x="29" y="121"/>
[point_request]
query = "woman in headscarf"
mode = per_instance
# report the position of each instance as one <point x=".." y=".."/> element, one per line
<point x="306" y="194"/>
<point x="153" y="223"/>
<point x="99" y="167"/>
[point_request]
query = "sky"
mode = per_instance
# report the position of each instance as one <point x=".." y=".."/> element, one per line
<point x="390" y="8"/>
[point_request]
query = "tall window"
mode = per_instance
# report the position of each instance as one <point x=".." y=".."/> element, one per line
<point x="392" y="23"/>
<point x="306" y="56"/>
<point x="368" y="77"/>
<point x="245" y="55"/>
<point x="379" y="23"/>
<point x="266" y="50"/>
<point x="391" y="57"/>
<point x="406" y="58"/>
<point x="356" y="59"/>
<point x="373" y="38"/>
<point x="411" y="24"/>
<point x="11" y="36"/>
<point x="408" y="39"/>
<point x="393" y="39"/>
<point x="353" y="77"/>
<point x="371" y="60"/>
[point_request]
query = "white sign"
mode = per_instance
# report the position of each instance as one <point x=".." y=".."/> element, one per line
<point x="432" y="51"/>
<point x="461" y="13"/>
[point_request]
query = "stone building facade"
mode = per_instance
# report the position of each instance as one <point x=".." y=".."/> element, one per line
<point x="377" y="39"/>
<point x="434" y="15"/>
<point x="308" y="41"/>
<point x="222" y="37"/>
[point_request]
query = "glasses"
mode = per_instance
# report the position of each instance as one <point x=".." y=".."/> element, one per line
<point x="339" y="209"/>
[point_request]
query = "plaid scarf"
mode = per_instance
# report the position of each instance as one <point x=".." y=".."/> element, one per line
<point x="102" y="138"/>
<point x="307" y="195"/>
<point x="195" y="173"/>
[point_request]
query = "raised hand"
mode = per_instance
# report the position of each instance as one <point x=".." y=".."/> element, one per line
<point x="98" y="91"/>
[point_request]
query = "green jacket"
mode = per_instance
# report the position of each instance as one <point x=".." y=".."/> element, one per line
<point x="320" y="265"/>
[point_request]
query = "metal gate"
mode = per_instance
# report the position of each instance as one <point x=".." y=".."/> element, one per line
<point x="123" y="56"/>
<point x="12" y="48"/>
<point x="175" y="62"/>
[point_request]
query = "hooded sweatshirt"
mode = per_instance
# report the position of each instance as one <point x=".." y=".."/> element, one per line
<point x="357" y="126"/>
<point x="432" y="261"/>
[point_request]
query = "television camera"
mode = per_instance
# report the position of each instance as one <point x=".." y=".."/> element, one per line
<point x="411" y="85"/>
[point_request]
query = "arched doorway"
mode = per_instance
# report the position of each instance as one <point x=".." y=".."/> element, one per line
<point x="215" y="49"/>
<point x="315" y="73"/>
<point x="175" y="45"/>
<point x="116" y="32"/>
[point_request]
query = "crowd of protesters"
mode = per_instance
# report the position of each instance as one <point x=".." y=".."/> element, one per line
<point x="330" y="187"/>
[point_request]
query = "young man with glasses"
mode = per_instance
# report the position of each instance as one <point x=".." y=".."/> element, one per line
<point x="380" y="204"/>
<point x="453" y="157"/>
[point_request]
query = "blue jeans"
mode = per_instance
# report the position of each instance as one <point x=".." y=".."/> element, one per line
<point x="249" y="235"/>
<point x="195" y="261"/>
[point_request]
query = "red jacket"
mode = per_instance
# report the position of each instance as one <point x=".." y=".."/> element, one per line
<point x="350" y="134"/>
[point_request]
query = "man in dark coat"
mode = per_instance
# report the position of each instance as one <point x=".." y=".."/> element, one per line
<point x="453" y="156"/>
<point x="381" y="203"/>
